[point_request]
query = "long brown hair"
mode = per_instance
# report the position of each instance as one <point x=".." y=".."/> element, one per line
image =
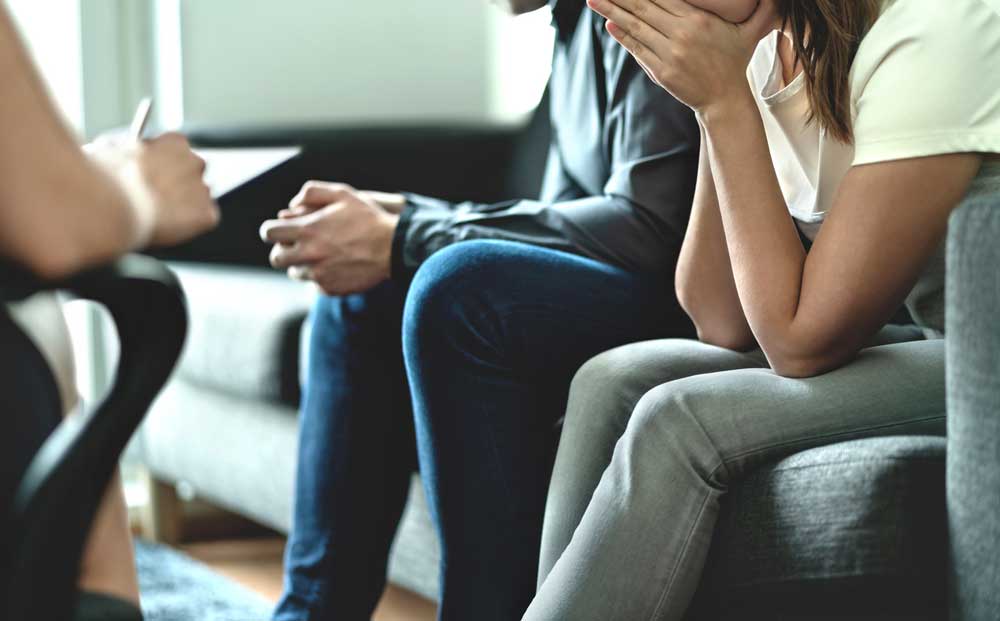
<point x="826" y="35"/>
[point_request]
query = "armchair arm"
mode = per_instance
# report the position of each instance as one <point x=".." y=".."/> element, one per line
<point x="63" y="486"/>
<point x="973" y="368"/>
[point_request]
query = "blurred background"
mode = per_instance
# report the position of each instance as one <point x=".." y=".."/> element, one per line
<point x="295" y="62"/>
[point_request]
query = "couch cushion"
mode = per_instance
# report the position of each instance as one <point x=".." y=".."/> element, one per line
<point x="234" y="452"/>
<point x="822" y="531"/>
<point x="244" y="332"/>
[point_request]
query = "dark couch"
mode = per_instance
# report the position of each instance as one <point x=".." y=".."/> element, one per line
<point x="850" y="531"/>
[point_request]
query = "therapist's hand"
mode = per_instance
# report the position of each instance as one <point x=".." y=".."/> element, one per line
<point x="335" y="236"/>
<point x="164" y="181"/>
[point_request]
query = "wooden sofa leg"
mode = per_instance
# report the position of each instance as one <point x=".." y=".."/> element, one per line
<point x="163" y="523"/>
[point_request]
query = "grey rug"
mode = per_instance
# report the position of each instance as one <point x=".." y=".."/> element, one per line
<point x="175" y="587"/>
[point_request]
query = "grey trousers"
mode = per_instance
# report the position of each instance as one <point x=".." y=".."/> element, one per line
<point x="655" y="434"/>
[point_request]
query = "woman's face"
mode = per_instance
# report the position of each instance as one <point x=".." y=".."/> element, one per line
<point x="736" y="11"/>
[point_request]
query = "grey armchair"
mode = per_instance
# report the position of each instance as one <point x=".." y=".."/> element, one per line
<point x="974" y="412"/>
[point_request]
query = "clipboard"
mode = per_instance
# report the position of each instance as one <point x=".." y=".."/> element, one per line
<point x="230" y="169"/>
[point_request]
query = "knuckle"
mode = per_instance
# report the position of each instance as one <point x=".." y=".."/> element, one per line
<point x="275" y="257"/>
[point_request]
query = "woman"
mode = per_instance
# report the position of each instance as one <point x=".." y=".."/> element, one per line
<point x="60" y="212"/>
<point x="861" y="127"/>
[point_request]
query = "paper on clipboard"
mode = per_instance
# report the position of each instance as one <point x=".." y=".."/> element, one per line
<point x="230" y="169"/>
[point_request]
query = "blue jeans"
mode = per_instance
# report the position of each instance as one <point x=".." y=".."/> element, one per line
<point x="492" y="333"/>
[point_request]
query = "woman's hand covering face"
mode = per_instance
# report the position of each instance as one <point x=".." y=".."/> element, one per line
<point x="734" y="11"/>
<point x="694" y="54"/>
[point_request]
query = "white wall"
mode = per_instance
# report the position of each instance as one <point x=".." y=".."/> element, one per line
<point x="51" y="30"/>
<point x="355" y="61"/>
<point x="522" y="61"/>
<point x="288" y="61"/>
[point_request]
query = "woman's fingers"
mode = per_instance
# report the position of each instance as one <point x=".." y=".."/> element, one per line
<point x="764" y="20"/>
<point x="635" y="16"/>
<point x="639" y="33"/>
<point x="677" y="8"/>
<point x="643" y="55"/>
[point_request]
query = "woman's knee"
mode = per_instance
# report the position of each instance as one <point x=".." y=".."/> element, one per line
<point x="667" y="430"/>
<point x="605" y="390"/>
<point x="612" y="383"/>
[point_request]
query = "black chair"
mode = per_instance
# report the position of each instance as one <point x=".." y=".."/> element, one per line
<point x="61" y="490"/>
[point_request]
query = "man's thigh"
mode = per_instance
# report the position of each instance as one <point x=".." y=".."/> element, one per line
<point x="537" y="310"/>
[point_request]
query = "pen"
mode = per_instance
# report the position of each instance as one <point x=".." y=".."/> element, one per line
<point x="141" y="118"/>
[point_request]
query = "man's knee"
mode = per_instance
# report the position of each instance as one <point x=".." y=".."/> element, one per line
<point x="371" y="307"/>
<point x="455" y="288"/>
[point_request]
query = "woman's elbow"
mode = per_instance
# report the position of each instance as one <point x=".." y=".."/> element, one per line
<point x="796" y="369"/>
<point x="802" y="365"/>
<point x="727" y="332"/>
<point x="725" y="336"/>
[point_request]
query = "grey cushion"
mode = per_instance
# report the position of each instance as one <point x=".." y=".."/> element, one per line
<point x="244" y="334"/>
<point x="855" y="522"/>
<point x="973" y="300"/>
<point x="416" y="553"/>
<point x="235" y="452"/>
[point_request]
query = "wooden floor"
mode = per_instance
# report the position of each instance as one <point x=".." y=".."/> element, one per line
<point x="256" y="564"/>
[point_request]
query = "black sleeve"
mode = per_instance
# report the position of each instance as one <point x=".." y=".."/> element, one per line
<point x="636" y="221"/>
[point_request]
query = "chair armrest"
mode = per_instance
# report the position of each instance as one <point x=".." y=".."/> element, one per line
<point x="63" y="486"/>
<point x="973" y="367"/>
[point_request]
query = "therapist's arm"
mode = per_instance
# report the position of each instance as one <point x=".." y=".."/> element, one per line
<point x="60" y="210"/>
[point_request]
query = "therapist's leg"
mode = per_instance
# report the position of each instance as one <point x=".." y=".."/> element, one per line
<point x="33" y="407"/>
<point x="356" y="455"/>
<point x="638" y="551"/>
<point x="493" y="333"/>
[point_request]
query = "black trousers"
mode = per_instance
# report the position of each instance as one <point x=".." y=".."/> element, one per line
<point x="30" y="406"/>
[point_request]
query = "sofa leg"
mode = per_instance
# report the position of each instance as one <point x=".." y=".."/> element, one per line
<point x="163" y="522"/>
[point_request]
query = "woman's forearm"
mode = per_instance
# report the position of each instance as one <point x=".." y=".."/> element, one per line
<point x="705" y="286"/>
<point x="59" y="211"/>
<point x="765" y="250"/>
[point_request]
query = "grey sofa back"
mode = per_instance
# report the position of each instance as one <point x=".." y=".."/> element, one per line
<point x="973" y="344"/>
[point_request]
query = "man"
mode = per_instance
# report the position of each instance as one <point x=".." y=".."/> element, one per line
<point x="493" y="334"/>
